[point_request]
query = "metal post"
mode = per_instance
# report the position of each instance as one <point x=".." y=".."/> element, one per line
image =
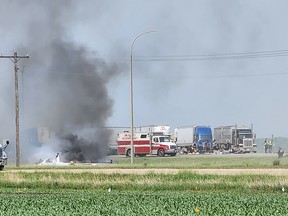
<point x="15" y="58"/>
<point x="131" y="96"/>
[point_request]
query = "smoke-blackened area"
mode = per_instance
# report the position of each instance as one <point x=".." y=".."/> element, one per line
<point x="74" y="150"/>
<point x="75" y="147"/>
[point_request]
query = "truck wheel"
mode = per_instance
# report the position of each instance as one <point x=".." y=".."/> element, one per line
<point x="128" y="153"/>
<point x="161" y="152"/>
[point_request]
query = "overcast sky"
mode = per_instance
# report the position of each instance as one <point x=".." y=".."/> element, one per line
<point x="176" y="80"/>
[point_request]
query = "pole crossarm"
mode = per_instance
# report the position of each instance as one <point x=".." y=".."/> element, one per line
<point x="18" y="57"/>
<point x="15" y="59"/>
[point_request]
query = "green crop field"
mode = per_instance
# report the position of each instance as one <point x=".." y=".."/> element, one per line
<point x="83" y="190"/>
<point x="81" y="202"/>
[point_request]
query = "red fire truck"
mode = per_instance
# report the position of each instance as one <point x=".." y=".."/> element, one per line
<point x="146" y="143"/>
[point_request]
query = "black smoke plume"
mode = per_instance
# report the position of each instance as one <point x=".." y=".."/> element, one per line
<point x="64" y="82"/>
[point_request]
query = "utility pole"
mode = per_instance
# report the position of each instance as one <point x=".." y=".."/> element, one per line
<point x="15" y="58"/>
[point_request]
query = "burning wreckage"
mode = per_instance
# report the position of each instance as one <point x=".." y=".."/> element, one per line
<point x="72" y="149"/>
<point x="55" y="161"/>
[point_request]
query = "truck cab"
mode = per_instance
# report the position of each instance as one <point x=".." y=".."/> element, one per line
<point x="162" y="145"/>
<point x="3" y="155"/>
<point x="245" y="140"/>
<point x="203" y="139"/>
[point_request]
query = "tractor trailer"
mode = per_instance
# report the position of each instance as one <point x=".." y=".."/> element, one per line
<point x="193" y="139"/>
<point x="235" y="138"/>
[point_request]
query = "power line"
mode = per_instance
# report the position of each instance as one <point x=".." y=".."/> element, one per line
<point x="225" y="54"/>
<point x="219" y="56"/>
<point x="183" y="76"/>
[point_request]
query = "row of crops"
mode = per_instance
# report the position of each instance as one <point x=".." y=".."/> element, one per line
<point x="134" y="203"/>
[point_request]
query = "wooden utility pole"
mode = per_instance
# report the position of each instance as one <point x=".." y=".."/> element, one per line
<point x="15" y="58"/>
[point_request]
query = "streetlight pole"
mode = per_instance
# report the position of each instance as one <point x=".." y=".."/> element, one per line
<point x="131" y="95"/>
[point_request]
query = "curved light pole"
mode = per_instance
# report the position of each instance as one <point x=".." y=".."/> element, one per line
<point x="131" y="95"/>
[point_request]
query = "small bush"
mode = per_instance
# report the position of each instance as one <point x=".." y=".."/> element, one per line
<point x="276" y="162"/>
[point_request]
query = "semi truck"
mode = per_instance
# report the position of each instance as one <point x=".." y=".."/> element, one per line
<point x="3" y="155"/>
<point x="144" y="143"/>
<point x="235" y="138"/>
<point x="194" y="139"/>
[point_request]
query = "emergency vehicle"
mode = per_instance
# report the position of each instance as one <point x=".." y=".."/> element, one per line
<point x="146" y="144"/>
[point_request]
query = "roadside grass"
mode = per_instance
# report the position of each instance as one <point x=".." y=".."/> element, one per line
<point x="203" y="161"/>
<point x="182" y="181"/>
<point x="59" y="177"/>
<point x="179" y="162"/>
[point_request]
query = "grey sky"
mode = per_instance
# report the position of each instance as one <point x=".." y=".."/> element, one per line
<point x="207" y="92"/>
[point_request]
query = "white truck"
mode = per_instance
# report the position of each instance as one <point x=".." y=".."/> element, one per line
<point x="3" y="155"/>
<point x="235" y="138"/>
